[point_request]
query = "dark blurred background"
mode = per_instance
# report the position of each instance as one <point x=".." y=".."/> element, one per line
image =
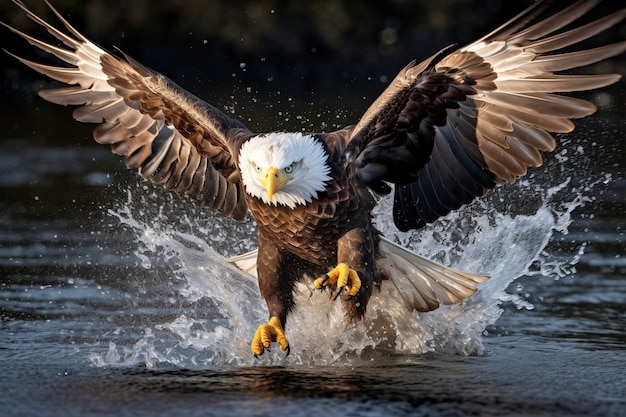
<point x="275" y="64"/>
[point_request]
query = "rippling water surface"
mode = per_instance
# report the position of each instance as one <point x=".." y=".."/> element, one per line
<point x="116" y="298"/>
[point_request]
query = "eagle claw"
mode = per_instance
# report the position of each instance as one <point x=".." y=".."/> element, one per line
<point x="268" y="333"/>
<point x="344" y="277"/>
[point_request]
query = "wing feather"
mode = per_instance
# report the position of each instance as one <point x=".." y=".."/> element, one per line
<point x="462" y="122"/>
<point x="173" y="138"/>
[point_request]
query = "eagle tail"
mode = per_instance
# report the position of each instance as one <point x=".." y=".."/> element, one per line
<point x="424" y="284"/>
<point x="246" y="262"/>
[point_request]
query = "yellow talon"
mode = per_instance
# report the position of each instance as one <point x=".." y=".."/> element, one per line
<point x="268" y="333"/>
<point x="344" y="277"/>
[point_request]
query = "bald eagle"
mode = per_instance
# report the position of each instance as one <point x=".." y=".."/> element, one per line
<point x="443" y="132"/>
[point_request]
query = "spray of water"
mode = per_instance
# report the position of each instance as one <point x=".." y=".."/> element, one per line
<point x="486" y="237"/>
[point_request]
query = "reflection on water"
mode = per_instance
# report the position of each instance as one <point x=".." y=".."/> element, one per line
<point x="116" y="296"/>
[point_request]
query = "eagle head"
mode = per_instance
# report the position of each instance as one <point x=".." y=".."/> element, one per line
<point x="284" y="168"/>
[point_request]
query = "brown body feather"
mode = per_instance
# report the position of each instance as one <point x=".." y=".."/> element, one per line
<point x="311" y="239"/>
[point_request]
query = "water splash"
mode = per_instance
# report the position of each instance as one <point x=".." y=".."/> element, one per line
<point x="479" y="238"/>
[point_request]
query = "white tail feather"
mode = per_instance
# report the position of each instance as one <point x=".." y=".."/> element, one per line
<point x="246" y="262"/>
<point x="422" y="284"/>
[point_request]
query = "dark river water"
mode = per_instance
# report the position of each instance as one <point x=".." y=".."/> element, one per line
<point x="117" y="299"/>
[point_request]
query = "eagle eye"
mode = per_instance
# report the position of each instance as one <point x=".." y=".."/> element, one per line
<point x="289" y="169"/>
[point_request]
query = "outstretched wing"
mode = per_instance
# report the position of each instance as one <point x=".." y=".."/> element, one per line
<point x="458" y="124"/>
<point x="173" y="138"/>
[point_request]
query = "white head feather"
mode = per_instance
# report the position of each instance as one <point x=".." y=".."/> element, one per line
<point x="297" y="157"/>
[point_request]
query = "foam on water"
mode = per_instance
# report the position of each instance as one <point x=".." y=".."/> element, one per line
<point x="477" y="238"/>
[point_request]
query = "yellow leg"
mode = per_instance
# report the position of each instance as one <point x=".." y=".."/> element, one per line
<point x="268" y="333"/>
<point x="344" y="277"/>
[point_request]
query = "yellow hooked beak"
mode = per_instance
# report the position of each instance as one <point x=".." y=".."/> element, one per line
<point x="273" y="180"/>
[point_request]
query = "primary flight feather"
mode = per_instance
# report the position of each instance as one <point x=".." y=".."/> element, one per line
<point x="444" y="131"/>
